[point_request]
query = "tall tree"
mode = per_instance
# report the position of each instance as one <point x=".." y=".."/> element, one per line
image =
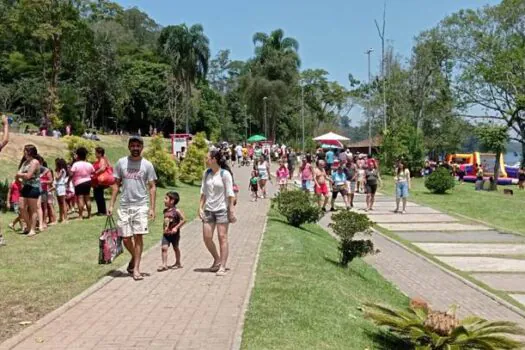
<point x="187" y="49"/>
<point x="495" y="139"/>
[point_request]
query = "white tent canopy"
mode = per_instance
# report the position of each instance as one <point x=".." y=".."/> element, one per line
<point x="331" y="136"/>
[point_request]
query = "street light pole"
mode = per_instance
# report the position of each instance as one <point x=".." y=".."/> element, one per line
<point x="265" y="118"/>
<point x="246" y="121"/>
<point x="369" y="52"/>
<point x="302" y="110"/>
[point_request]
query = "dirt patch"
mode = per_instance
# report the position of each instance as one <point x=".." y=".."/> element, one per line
<point x="47" y="146"/>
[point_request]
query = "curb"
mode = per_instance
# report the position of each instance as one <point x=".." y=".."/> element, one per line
<point x="237" y="341"/>
<point x="494" y="297"/>
<point x="53" y="315"/>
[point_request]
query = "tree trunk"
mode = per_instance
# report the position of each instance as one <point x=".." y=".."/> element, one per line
<point x="52" y="99"/>
<point x="494" y="184"/>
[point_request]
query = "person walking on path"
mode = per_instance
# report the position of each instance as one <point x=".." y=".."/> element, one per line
<point x="100" y="166"/>
<point x="80" y="173"/>
<point x="263" y="168"/>
<point x="371" y="181"/>
<point x="217" y="208"/>
<point x="5" y="140"/>
<point x="137" y="177"/>
<point x="330" y="159"/>
<point x="339" y="186"/>
<point x="321" y="185"/>
<point x="173" y="221"/>
<point x="29" y="173"/>
<point x="306" y="173"/>
<point x="402" y="179"/>
<point x="291" y="159"/>
<point x="350" y="171"/>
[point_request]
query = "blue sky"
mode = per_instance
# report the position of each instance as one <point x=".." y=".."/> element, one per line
<point x="333" y="34"/>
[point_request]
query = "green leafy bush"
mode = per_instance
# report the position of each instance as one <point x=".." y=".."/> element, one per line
<point x="192" y="168"/>
<point x="419" y="327"/>
<point x="75" y="142"/>
<point x="440" y="181"/>
<point x="165" y="166"/>
<point x="346" y="224"/>
<point x="297" y="207"/>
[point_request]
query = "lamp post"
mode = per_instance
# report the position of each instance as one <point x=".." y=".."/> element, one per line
<point x="369" y="52"/>
<point x="302" y="111"/>
<point x="246" y="121"/>
<point x="265" y="118"/>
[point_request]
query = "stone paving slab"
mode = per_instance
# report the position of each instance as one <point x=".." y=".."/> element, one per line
<point x="183" y="309"/>
<point x="440" y="227"/>
<point x="389" y="210"/>
<point x="410" y="218"/>
<point x="484" y="264"/>
<point x="472" y="248"/>
<point x="417" y="277"/>
<point x="519" y="297"/>
<point x="469" y="236"/>
<point x="510" y="282"/>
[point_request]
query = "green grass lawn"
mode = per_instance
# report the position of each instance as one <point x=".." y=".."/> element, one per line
<point x="39" y="274"/>
<point x="302" y="299"/>
<point x="501" y="211"/>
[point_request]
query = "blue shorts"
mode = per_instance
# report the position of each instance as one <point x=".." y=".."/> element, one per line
<point x="402" y="190"/>
<point x="306" y="185"/>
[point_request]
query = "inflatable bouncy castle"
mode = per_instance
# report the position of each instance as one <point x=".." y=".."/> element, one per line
<point x="468" y="162"/>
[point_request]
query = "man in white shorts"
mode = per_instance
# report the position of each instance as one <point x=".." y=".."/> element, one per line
<point x="137" y="177"/>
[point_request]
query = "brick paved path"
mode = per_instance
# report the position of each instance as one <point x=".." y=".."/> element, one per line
<point x="416" y="277"/>
<point x="177" y="309"/>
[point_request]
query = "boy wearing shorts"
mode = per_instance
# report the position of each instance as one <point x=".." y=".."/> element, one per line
<point x="173" y="221"/>
<point x="339" y="187"/>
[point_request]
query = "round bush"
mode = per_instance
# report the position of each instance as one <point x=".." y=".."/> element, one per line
<point x="440" y="181"/>
<point x="297" y="207"/>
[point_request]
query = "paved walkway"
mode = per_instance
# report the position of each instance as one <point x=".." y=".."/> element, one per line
<point x="188" y="308"/>
<point x="417" y="277"/>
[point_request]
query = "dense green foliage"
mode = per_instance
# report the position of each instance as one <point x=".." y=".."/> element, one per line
<point x="419" y="327"/>
<point x="440" y="181"/>
<point x="346" y="224"/>
<point x="194" y="164"/>
<point x="164" y="163"/>
<point x="75" y="142"/>
<point x="495" y="139"/>
<point x="297" y="207"/>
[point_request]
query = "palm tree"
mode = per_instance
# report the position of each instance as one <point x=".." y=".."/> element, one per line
<point x="276" y="42"/>
<point x="419" y="327"/>
<point x="188" y="52"/>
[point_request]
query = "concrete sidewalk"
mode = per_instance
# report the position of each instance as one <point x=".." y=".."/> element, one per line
<point x="188" y="308"/>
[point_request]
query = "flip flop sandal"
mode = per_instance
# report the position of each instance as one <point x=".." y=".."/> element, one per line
<point x="162" y="269"/>
<point x="215" y="268"/>
<point x="221" y="272"/>
<point x="176" y="267"/>
<point x="138" y="278"/>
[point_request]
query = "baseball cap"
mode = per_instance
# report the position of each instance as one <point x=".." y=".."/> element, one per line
<point x="136" y="138"/>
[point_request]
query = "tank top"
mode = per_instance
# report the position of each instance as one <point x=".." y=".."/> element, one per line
<point x="306" y="172"/>
<point x="402" y="176"/>
<point x="263" y="171"/>
<point x="34" y="181"/>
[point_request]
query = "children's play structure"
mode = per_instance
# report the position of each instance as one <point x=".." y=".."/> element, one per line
<point x="469" y="163"/>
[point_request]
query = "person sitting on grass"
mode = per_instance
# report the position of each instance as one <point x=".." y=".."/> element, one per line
<point x="13" y="202"/>
<point x="173" y="221"/>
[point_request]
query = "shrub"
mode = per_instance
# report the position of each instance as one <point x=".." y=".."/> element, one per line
<point x="346" y="224"/>
<point x="74" y="142"/>
<point x="163" y="162"/>
<point x="419" y="327"/>
<point x="297" y="207"/>
<point x="440" y="181"/>
<point x="193" y="166"/>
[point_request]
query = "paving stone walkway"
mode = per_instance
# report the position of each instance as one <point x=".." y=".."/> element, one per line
<point x="493" y="258"/>
<point x="188" y="308"/>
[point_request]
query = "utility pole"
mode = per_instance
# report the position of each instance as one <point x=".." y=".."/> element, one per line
<point x="265" y="118"/>
<point x="302" y="110"/>
<point x="369" y="52"/>
<point x="381" y="33"/>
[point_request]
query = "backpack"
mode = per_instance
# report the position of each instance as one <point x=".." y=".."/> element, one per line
<point x="235" y="187"/>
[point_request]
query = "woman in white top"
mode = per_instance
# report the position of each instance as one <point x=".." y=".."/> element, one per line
<point x="402" y="178"/>
<point x="263" y="168"/>
<point x="217" y="208"/>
